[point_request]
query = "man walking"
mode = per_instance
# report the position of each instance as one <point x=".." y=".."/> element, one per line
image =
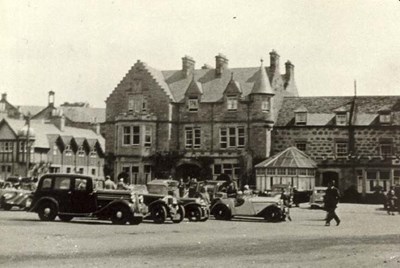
<point x="331" y="200"/>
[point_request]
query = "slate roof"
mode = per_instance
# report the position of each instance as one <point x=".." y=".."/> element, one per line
<point x="213" y="86"/>
<point x="289" y="158"/>
<point x="75" y="114"/>
<point x="321" y="109"/>
<point x="42" y="131"/>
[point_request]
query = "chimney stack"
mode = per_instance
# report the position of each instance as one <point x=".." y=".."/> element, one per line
<point x="59" y="122"/>
<point x="187" y="66"/>
<point x="221" y="64"/>
<point x="274" y="61"/>
<point x="289" y="70"/>
<point x="51" y="98"/>
<point x="4" y="97"/>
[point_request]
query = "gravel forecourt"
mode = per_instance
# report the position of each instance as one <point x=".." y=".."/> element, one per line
<point x="366" y="237"/>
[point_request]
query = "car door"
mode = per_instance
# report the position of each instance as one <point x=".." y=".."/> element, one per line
<point x="62" y="193"/>
<point x="83" y="197"/>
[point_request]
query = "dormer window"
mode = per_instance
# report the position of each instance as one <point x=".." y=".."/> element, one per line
<point x="341" y="119"/>
<point x="68" y="150"/>
<point x="301" y="118"/>
<point x="385" y="118"/>
<point x="232" y="103"/>
<point x="266" y="105"/>
<point x="193" y="104"/>
<point x="81" y="151"/>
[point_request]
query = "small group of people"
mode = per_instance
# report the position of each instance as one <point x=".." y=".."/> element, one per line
<point x="110" y="185"/>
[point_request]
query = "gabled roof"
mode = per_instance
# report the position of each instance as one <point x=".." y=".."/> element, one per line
<point x="214" y="87"/>
<point x="365" y="111"/>
<point x="289" y="158"/>
<point x="194" y="88"/>
<point x="44" y="131"/>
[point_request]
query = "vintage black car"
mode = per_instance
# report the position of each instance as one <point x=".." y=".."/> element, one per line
<point x="73" y="195"/>
<point x="195" y="208"/>
<point x="161" y="205"/>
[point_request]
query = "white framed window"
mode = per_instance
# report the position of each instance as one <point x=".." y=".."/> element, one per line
<point x="281" y="171"/>
<point x="232" y="103"/>
<point x="385" y="118"/>
<point x="93" y="153"/>
<point x="232" y="137"/>
<point x="55" y="149"/>
<point x="81" y="151"/>
<point x="135" y="135"/>
<point x="341" y="149"/>
<point x="22" y="147"/>
<point x="271" y="171"/>
<point x="68" y="150"/>
<point x="126" y="135"/>
<point x="148" y="136"/>
<point x="266" y="105"/>
<point x="192" y="137"/>
<point x="131" y="103"/>
<point x="137" y="103"/>
<point x="301" y="118"/>
<point x="341" y="119"/>
<point x="193" y="104"/>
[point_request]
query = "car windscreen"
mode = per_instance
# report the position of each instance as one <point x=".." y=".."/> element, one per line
<point x="157" y="189"/>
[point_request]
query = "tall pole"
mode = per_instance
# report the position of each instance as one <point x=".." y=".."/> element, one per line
<point x="27" y="145"/>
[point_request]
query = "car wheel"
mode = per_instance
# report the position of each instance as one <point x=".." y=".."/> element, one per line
<point x="159" y="214"/>
<point x="194" y="214"/>
<point x="222" y="213"/>
<point x="47" y="211"/>
<point x="181" y="215"/>
<point x="120" y="215"/>
<point x="65" y="217"/>
<point x="7" y="207"/>
<point x="273" y="214"/>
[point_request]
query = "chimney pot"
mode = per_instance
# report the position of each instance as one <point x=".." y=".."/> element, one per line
<point x="4" y="96"/>
<point x="51" y="98"/>
<point x="274" y="60"/>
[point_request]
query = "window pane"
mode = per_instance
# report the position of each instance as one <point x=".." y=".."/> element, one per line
<point x="80" y="184"/>
<point x="62" y="183"/>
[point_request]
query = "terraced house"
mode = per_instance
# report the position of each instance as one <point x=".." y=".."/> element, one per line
<point x="354" y="140"/>
<point x="214" y="119"/>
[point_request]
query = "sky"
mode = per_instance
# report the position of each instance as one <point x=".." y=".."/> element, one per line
<point x="82" y="49"/>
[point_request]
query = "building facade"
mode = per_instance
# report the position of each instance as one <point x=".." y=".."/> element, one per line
<point x="216" y="119"/>
<point x="37" y="148"/>
<point x="354" y="140"/>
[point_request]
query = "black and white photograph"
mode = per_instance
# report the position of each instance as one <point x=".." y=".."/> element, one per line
<point x="173" y="133"/>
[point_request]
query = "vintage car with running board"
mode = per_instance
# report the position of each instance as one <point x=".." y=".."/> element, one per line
<point x="73" y="195"/>
<point x="269" y="208"/>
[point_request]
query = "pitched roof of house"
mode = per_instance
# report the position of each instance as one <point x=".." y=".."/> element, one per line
<point x="75" y="114"/>
<point x="289" y="158"/>
<point x="320" y="109"/>
<point x="213" y="87"/>
<point x="42" y="131"/>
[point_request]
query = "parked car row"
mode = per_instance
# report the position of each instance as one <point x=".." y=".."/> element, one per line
<point x="72" y="195"/>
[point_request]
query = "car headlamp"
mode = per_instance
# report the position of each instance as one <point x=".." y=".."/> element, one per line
<point x="28" y="203"/>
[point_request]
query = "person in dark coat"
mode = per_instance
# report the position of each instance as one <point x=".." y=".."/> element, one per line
<point x="182" y="188"/>
<point x="391" y="201"/>
<point x="331" y="199"/>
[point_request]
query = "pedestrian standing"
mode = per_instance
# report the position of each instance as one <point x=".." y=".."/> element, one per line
<point x="182" y="188"/>
<point x="109" y="184"/>
<point x="331" y="199"/>
<point x="391" y="201"/>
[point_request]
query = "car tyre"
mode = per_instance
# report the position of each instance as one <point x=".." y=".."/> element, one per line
<point x="65" y="218"/>
<point x="159" y="214"/>
<point x="194" y="214"/>
<point x="222" y="213"/>
<point x="136" y="220"/>
<point x="181" y="213"/>
<point x="120" y="215"/>
<point x="47" y="211"/>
